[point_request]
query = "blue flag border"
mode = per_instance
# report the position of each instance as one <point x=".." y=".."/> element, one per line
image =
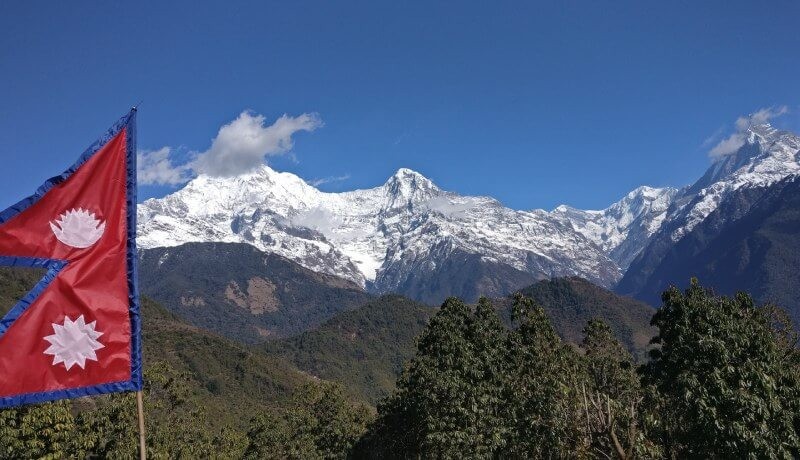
<point x="54" y="266"/>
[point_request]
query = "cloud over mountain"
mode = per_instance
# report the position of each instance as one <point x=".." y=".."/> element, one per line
<point x="239" y="147"/>
<point x="736" y="140"/>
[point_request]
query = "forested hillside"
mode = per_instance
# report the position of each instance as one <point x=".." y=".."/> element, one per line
<point x="243" y="293"/>
<point x="722" y="381"/>
<point x="571" y="302"/>
<point x="364" y="349"/>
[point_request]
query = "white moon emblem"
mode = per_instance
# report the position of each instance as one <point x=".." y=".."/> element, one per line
<point x="78" y="228"/>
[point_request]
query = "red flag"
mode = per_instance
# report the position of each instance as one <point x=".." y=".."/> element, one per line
<point x="77" y="332"/>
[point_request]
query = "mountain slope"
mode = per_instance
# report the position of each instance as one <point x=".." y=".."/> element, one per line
<point x="240" y="292"/>
<point x="411" y="237"/>
<point x="756" y="249"/>
<point x="363" y="348"/>
<point x="707" y="222"/>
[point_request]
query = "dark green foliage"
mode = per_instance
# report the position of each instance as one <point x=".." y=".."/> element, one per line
<point x="106" y="426"/>
<point x="202" y="283"/>
<point x="176" y="422"/>
<point x="448" y="400"/>
<point x="542" y="388"/>
<point x="725" y="383"/>
<point x="728" y="376"/>
<point x="41" y="431"/>
<point x="320" y="423"/>
<point x="571" y="302"/>
<point x="612" y="397"/>
<point x="475" y="387"/>
<point x="15" y="283"/>
<point x="364" y="348"/>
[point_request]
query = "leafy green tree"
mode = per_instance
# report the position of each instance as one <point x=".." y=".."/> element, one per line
<point x="488" y="428"/>
<point x="449" y="399"/>
<point x="38" y="431"/>
<point x="612" y="397"/>
<point x="268" y="438"/>
<point x="542" y="391"/>
<point x="321" y="423"/>
<point x="176" y="422"/>
<point x="728" y="377"/>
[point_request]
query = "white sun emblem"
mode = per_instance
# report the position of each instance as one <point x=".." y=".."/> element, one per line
<point x="74" y="342"/>
<point x="78" y="228"/>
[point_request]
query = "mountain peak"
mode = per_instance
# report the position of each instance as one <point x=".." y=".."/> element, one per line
<point x="764" y="130"/>
<point x="406" y="174"/>
<point x="408" y="183"/>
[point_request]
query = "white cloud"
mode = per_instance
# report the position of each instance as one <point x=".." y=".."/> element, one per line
<point x="736" y="140"/>
<point x="328" y="180"/>
<point x="728" y="145"/>
<point x="760" y="117"/>
<point x="239" y="147"/>
<point x="154" y="167"/>
<point x="242" y="145"/>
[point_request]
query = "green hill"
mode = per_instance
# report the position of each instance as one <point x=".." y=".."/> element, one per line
<point x="572" y="302"/>
<point x="364" y="348"/>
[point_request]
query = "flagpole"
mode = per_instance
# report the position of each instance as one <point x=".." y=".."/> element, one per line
<point x="140" y="410"/>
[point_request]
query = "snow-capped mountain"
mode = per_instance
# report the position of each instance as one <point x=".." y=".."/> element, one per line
<point x="716" y="205"/>
<point x="766" y="157"/>
<point x="406" y="228"/>
<point x="391" y="229"/>
<point x="621" y="229"/>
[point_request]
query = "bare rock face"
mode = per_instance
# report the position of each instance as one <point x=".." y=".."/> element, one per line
<point x="259" y="297"/>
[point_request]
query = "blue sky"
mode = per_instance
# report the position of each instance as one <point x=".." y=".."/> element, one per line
<point x="534" y="104"/>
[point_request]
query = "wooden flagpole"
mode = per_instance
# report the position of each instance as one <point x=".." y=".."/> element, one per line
<point x="140" y="409"/>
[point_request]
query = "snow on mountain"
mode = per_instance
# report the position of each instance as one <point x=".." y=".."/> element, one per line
<point x="380" y="237"/>
<point x="766" y="157"/>
<point x="623" y="228"/>
<point x="363" y="233"/>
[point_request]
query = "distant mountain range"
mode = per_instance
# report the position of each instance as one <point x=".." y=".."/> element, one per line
<point x="408" y="236"/>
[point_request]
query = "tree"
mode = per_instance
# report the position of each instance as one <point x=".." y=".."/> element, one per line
<point x="321" y="423"/>
<point x="449" y="399"/>
<point x="176" y="423"/>
<point x="728" y="377"/>
<point x="267" y="438"/>
<point x="543" y="400"/>
<point x="38" y="431"/>
<point x="612" y="396"/>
